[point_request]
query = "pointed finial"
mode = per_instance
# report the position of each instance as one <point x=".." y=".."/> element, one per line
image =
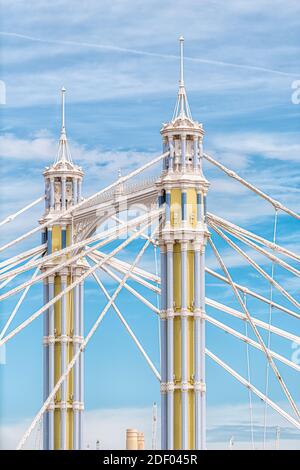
<point x="64" y="155"/>
<point x="63" y="91"/>
<point x="182" y="107"/>
<point x="181" y="41"/>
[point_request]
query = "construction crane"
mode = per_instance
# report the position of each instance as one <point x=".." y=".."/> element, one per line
<point x="277" y="441"/>
<point x="154" y="425"/>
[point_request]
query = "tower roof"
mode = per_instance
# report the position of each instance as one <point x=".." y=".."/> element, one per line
<point x="63" y="163"/>
<point x="63" y="159"/>
<point x="182" y="109"/>
<point x="182" y="117"/>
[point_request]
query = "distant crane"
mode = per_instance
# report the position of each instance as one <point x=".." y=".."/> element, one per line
<point x="231" y="443"/>
<point x="154" y="426"/>
<point x="277" y="441"/>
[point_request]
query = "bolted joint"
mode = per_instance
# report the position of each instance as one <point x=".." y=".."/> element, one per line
<point x="170" y="387"/>
<point x="200" y="387"/>
<point x="184" y="312"/>
<point x="199" y="313"/>
<point x="170" y="313"/>
<point x="184" y="387"/>
<point x="51" y="406"/>
<point x="163" y="314"/>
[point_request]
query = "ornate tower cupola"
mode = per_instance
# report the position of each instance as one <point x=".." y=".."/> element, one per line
<point x="63" y="179"/>
<point x="182" y="135"/>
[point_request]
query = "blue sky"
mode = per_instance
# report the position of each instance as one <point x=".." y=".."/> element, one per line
<point x="118" y="61"/>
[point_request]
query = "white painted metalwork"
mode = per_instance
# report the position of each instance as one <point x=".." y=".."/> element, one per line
<point x="257" y="334"/>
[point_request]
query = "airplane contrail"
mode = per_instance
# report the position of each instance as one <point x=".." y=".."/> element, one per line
<point x="146" y="53"/>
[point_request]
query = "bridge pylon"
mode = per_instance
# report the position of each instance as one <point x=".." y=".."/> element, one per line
<point x="183" y="189"/>
<point x="63" y="321"/>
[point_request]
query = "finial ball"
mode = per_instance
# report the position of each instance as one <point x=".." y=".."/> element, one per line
<point x="63" y="89"/>
<point x="181" y="39"/>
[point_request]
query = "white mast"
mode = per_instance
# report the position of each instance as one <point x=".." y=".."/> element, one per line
<point x="154" y="426"/>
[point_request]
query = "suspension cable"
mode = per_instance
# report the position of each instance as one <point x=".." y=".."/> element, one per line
<point x="254" y="294"/>
<point x="256" y="266"/>
<point x="100" y="236"/>
<point x="66" y="262"/>
<point x="126" y="286"/>
<point x="232" y="174"/>
<point x="70" y="287"/>
<point x="232" y="228"/>
<point x="84" y="201"/>
<point x="249" y="379"/>
<point x="269" y="333"/>
<point x="11" y="217"/>
<point x="18" y="305"/>
<point x="127" y="327"/>
<point x="157" y="305"/>
<point x="255" y="330"/>
<point x="83" y="345"/>
<point x="257" y="392"/>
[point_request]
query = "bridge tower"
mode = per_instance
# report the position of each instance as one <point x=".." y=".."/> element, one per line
<point x="63" y="322"/>
<point x="183" y="188"/>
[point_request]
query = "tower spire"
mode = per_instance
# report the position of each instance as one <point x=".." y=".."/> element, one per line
<point x="63" y="154"/>
<point x="63" y="91"/>
<point x="182" y="108"/>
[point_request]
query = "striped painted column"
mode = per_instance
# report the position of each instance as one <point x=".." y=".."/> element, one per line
<point x="52" y="193"/>
<point x="51" y="362"/>
<point x="81" y="362"/>
<point x="170" y="350"/>
<point x="184" y="347"/>
<point x="163" y="328"/>
<point x="197" y="333"/>
<point x="63" y="193"/>
<point x="63" y="343"/>
<point x="46" y="366"/>
<point x="76" y="339"/>
<point x="196" y="153"/>
<point x="168" y="207"/>
<point x="183" y="152"/>
<point x="202" y="349"/>
<point x="74" y="186"/>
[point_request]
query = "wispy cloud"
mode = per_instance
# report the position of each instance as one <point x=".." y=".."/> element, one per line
<point x="112" y="48"/>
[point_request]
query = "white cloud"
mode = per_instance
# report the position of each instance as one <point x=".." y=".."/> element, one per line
<point x="223" y="422"/>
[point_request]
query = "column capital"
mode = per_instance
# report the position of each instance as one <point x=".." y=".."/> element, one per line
<point x="184" y="245"/>
<point x="169" y="245"/>
<point x="162" y="246"/>
<point x="64" y="277"/>
<point x="197" y="245"/>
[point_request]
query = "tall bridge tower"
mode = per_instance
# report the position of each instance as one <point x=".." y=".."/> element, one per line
<point x="183" y="188"/>
<point x="63" y="322"/>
